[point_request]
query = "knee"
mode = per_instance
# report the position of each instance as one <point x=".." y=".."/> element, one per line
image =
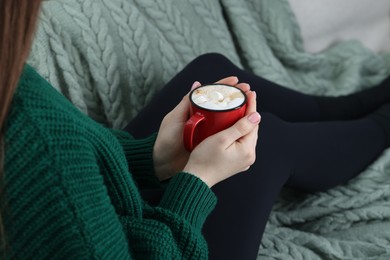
<point x="213" y="58"/>
<point x="210" y="67"/>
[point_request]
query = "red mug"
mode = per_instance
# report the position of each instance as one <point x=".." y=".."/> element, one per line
<point x="211" y="113"/>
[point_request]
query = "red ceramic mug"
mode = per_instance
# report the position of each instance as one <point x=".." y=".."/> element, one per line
<point x="214" y="107"/>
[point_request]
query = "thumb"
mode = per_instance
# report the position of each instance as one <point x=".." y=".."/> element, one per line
<point x="240" y="129"/>
<point x="182" y="109"/>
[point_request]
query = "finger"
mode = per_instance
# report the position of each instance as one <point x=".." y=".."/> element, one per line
<point x="240" y="129"/>
<point x="250" y="140"/>
<point x="232" y="81"/>
<point x="248" y="145"/>
<point x="182" y="109"/>
<point x="195" y="85"/>
<point x="245" y="87"/>
<point x="251" y="103"/>
<point x="253" y="135"/>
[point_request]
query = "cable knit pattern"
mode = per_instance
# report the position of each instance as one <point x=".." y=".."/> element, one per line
<point x="109" y="57"/>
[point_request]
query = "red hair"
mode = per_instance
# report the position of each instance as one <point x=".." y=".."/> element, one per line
<point x="17" y="24"/>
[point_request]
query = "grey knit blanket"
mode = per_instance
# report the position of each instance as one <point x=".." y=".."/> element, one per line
<point x="109" y="57"/>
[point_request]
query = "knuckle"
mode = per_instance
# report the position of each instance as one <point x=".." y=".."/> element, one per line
<point x="223" y="139"/>
<point x="242" y="128"/>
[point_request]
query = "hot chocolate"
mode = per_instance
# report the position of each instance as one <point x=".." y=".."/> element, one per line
<point x="218" y="97"/>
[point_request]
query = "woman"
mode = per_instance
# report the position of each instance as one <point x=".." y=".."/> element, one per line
<point x="73" y="189"/>
<point x="170" y="231"/>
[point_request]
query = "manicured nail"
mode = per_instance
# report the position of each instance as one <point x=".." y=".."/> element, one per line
<point x="254" y="118"/>
<point x="195" y="85"/>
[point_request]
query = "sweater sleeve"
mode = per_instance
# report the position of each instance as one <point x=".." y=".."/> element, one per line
<point x="173" y="229"/>
<point x="139" y="155"/>
<point x="62" y="207"/>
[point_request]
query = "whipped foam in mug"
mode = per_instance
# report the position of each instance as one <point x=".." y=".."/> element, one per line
<point x="218" y="97"/>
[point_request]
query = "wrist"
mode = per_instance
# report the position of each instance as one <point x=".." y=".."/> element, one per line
<point x="200" y="175"/>
<point x="168" y="159"/>
<point x="161" y="169"/>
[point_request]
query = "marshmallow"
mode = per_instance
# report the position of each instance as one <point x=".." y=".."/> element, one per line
<point x="218" y="97"/>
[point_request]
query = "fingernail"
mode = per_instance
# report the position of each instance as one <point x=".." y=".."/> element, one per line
<point x="254" y="118"/>
<point x="195" y="85"/>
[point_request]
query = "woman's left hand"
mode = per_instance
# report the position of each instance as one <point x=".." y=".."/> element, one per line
<point x="169" y="154"/>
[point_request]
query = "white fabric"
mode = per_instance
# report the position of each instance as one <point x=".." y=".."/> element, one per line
<point x="326" y="22"/>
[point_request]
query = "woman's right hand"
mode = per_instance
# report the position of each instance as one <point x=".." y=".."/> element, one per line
<point x="228" y="152"/>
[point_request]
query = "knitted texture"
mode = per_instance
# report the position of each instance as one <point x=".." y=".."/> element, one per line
<point x="70" y="194"/>
<point x="109" y="57"/>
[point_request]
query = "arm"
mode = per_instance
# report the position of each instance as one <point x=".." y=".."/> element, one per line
<point x="71" y="211"/>
<point x="139" y="155"/>
<point x="173" y="229"/>
<point x="71" y="196"/>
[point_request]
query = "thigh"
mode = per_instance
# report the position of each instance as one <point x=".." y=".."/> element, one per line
<point x="285" y="103"/>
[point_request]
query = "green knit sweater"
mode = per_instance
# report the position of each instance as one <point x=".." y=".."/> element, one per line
<point x="72" y="187"/>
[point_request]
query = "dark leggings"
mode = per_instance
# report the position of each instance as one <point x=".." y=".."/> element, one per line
<point x="294" y="149"/>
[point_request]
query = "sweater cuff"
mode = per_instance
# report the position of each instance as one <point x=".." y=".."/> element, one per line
<point x="139" y="155"/>
<point x="189" y="197"/>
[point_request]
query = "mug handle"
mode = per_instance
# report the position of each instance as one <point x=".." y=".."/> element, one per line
<point x="189" y="129"/>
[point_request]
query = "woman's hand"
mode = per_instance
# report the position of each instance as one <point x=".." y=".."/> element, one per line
<point x="228" y="152"/>
<point x="169" y="154"/>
